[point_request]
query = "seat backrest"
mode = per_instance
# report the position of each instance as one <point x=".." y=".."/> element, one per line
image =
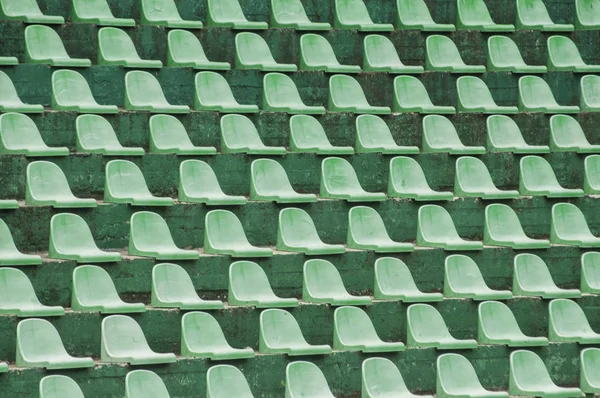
<point x="346" y="91"/>
<point x="590" y="363"/>
<point x="20" y="7"/>
<point x="371" y="130"/>
<point x="239" y="131"/>
<point x="268" y="176"/>
<point x="535" y="171"/>
<point x="472" y="174"/>
<point x="143" y="88"/>
<point x="338" y="175"/>
<point x="222" y="228"/>
<point x="352" y="11"/>
<point x="392" y="274"/>
<point x="115" y="43"/>
<point x="322" y="279"/>
<point x="435" y="222"/>
<point x="533" y="12"/>
<point x="38" y="339"/>
<point x="70" y="88"/>
<point x="563" y="51"/>
<point x="279" y="327"/>
<point x="412" y="12"/>
<point x="93" y="285"/>
<point x="8" y="92"/>
<point x="18" y="131"/>
<point x="87" y="9"/>
<point x="503" y="51"/>
<point x="587" y="12"/>
<point x="590" y="89"/>
<point x="171" y="282"/>
<point x="16" y="289"/>
<point x="530" y="271"/>
<point x="42" y="42"/>
<point x="353" y="326"/>
<point x="144" y="384"/>
<point x="592" y="171"/>
<point x="122" y="334"/>
<point x="280" y="89"/>
<point x="168" y="131"/>
<point x="198" y="178"/>
<point x="529" y="371"/>
<point x="426" y="322"/>
<point x="501" y="220"/>
<point x="57" y="386"/>
<point x="95" y="132"/>
<point x="226" y="381"/>
<point x="212" y="88"/>
<point x="46" y="180"/>
<point x="409" y="90"/>
<point x="160" y="10"/>
<point x="441" y="50"/>
<point x="533" y="90"/>
<point x="149" y="230"/>
<point x="590" y="267"/>
<point x="456" y="375"/>
<point x="305" y="379"/>
<point x="306" y="131"/>
<point x="316" y="50"/>
<point x="247" y="280"/>
<point x="288" y="11"/>
<point x="380" y="50"/>
<point x="474" y="12"/>
<point x="297" y="227"/>
<point x="124" y="178"/>
<point x="496" y="319"/>
<point x="503" y="131"/>
<point x="70" y="230"/>
<point x="407" y="174"/>
<point x="473" y="92"/>
<point x="7" y="243"/>
<point x="380" y="377"/>
<point x="462" y="273"/>
<point x="184" y="46"/>
<point x="566" y="131"/>
<point x="226" y="11"/>
<point x="251" y="48"/>
<point x="567" y="318"/>
<point x="365" y="224"/>
<point x="200" y="330"/>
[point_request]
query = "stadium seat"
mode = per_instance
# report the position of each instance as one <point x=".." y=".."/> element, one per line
<point x="569" y="227"/>
<point x="290" y="14"/>
<point x="381" y="378"/>
<point x="223" y="381"/>
<point x="172" y="287"/>
<point x="97" y="12"/>
<point x="504" y="56"/>
<point x="9" y="60"/>
<point x="252" y="52"/>
<point x="186" y="51"/>
<point x="443" y="56"/>
<point x="239" y="135"/>
<point x="44" y="46"/>
<point x="198" y="184"/>
<point x="46" y="185"/>
<point x="27" y="11"/>
<point x="474" y="15"/>
<point x="71" y="92"/>
<point x="71" y="239"/>
<point x="323" y="284"/>
<point x="407" y="180"/>
<point x="456" y="378"/>
<point x="393" y="281"/>
<point x="366" y="231"/>
<point x="414" y="14"/>
<point x="116" y="48"/>
<point x="122" y="340"/>
<point x="339" y="181"/>
<point x="229" y="14"/>
<point x="96" y="135"/>
<point x="563" y="55"/>
<point x="9" y="254"/>
<point x="149" y="236"/>
<point x="346" y="95"/>
<point x="56" y="386"/>
<point x="379" y="55"/>
<point x="269" y="182"/>
<point x="567" y="135"/>
<point x="538" y="179"/>
<point x="249" y="286"/>
<point x="374" y="135"/>
<point x="498" y="325"/>
<point x="317" y="54"/>
<point x="533" y="15"/>
<point x="224" y="234"/>
<point x="590" y="363"/>
<point x="144" y="93"/>
<point x="353" y="14"/>
<point x="305" y="379"/>
<point x="165" y="13"/>
<point x="410" y="95"/>
<point x="503" y="228"/>
<point x="19" y="135"/>
<point x="280" y="94"/>
<point x="475" y="96"/>
<point x="590" y="273"/>
<point x="463" y="279"/>
<point x="587" y="15"/>
<point x="590" y="93"/>
<point x="281" y="334"/>
<point x="145" y="383"/>
<point x="567" y="323"/>
<point x="39" y="346"/>
<point x="10" y="101"/>
<point x="297" y="233"/>
<point x="125" y="183"/>
<point x="17" y="296"/>
<point x="472" y="179"/>
<point x="354" y="331"/>
<point x="426" y="328"/>
<point x="308" y="135"/>
<point x="202" y="337"/>
<point x="436" y="229"/>
<point x="504" y="135"/>
<point x="214" y="94"/>
<point x="94" y="290"/>
<point x="532" y="278"/>
<point x="167" y="135"/>
<point x="535" y="96"/>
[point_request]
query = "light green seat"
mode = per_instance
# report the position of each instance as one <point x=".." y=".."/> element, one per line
<point x="463" y="279"/>
<point x="569" y="227"/>
<point x="410" y="95"/>
<point x="172" y="287"/>
<point x="17" y="296"/>
<point x="426" y="328"/>
<point x="198" y="184"/>
<point x="149" y="236"/>
<point x="393" y="281"/>
<point x="93" y="290"/>
<point x="456" y="378"/>
<point x="503" y="228"/>
<point x="202" y="337"/>
<point x="563" y="55"/>
<point x="116" y="48"/>
<point x="9" y="254"/>
<point x="587" y="15"/>
<point x="185" y="50"/>
<point x="165" y="13"/>
<point x="537" y="178"/>
<point x="281" y="334"/>
<point x="44" y="46"/>
<point x="504" y="135"/>
<point x="252" y="52"/>
<point x="123" y="341"/>
<point x="366" y="231"/>
<point x="414" y="14"/>
<point x="144" y="93"/>
<point x="323" y="284"/>
<point x="143" y="384"/>
<point x="27" y="11"/>
<point x="8" y="204"/>
<point x="71" y="92"/>
<point x="280" y="94"/>
<point x="353" y="14"/>
<point x="224" y="234"/>
<point x="532" y="278"/>
<point x="9" y="60"/>
<point x="590" y="273"/>
<point x="443" y="56"/>
<point x="239" y="135"/>
<point x="498" y="325"/>
<point x="268" y="181"/>
<point x="567" y="323"/>
<point x="249" y="286"/>
<point x="57" y="386"/>
<point x="407" y="180"/>
<point x="226" y="381"/>
<point x="472" y="179"/>
<point x="475" y="96"/>
<point x="290" y="14"/>
<point x="590" y="93"/>
<point x="474" y="15"/>
<point x="10" y="101"/>
<point x="228" y="13"/>
<point x="305" y="380"/>
<point x="297" y="233"/>
<point x="535" y="96"/>
<point x="20" y="136"/>
<point x="381" y="378"/>
<point x="354" y="331"/>
<point x="504" y="56"/>
<point x="436" y="229"/>
<point x="589" y="376"/>
<point x="533" y="15"/>
<point x="96" y="135"/>
<point x="440" y="135"/>
<point x="339" y="181"/>
<point x="316" y="54"/>
<point x="47" y="185"/>
<point x="307" y="135"/>
<point x="379" y="55"/>
<point x="167" y="135"/>
<point x="125" y="183"/>
<point x="567" y="135"/>
<point x="71" y="239"/>
<point x="97" y="12"/>
<point x="214" y="94"/>
<point x="39" y="346"/>
<point x="346" y="95"/>
<point x="374" y="135"/>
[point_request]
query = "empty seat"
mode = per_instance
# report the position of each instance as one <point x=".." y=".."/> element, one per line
<point x="10" y="101"/>
<point x="115" y="47"/>
<point x="587" y="15"/>
<point x="472" y="179"/>
<point x="71" y="239"/>
<point x="280" y="94"/>
<point x="224" y="234"/>
<point x="410" y="95"/>
<point x="94" y="290"/>
<point x="374" y="135"/>
<point x="149" y="236"/>
<point x="346" y="95"/>
<point x="536" y="96"/>
<point x="339" y="181"/>
<point x="566" y="135"/>
<point x="268" y="181"/>
<point x="47" y="185"/>
<point x="407" y="180"/>
<point x="567" y="323"/>
<point x="440" y="135"/>
<point x="590" y="93"/>
<point x="291" y="14"/>
<point x="96" y="135"/>
<point x="307" y="135"/>
<point x="214" y="94"/>
<point x="27" y="11"/>
<point x="590" y="363"/>
<point x="239" y="135"/>
<point x="474" y="15"/>
<point x="436" y="229"/>
<point x="122" y="340"/>
<point x="9" y="60"/>
<point x="498" y="325"/>
<point x="145" y="383"/>
<point x="297" y="233"/>
<point x="44" y="46"/>
<point x="71" y="92"/>
<point x="228" y="13"/>
<point x="354" y="331"/>
<point x="532" y="278"/>
<point x="9" y="254"/>
<point x="17" y="296"/>
<point x="322" y="283"/>
<point x="223" y="381"/>
<point x="185" y="50"/>
<point x="463" y="279"/>
<point x="167" y="135"/>
<point x="39" y="346"/>
<point x="281" y="334"/>
<point x="249" y="286"/>
<point x="144" y="93"/>
<point x="475" y="96"/>
<point x="366" y="231"/>
<point x="165" y="13"/>
<point x="504" y="135"/>
<point x="504" y="56"/>
<point x="57" y="386"/>
<point x="503" y="228"/>
<point x="20" y="136"/>
<point x="125" y="183"/>
<point x="563" y="55"/>
<point x="533" y="15"/>
<point x="97" y="12"/>
<point x="414" y="14"/>
<point x="443" y="56"/>
<point x="590" y="273"/>
<point x="426" y="328"/>
<point x="305" y="379"/>
<point x="379" y="55"/>
<point x="393" y="281"/>
<point x="591" y="183"/>
<point x="537" y="178"/>
<point x="316" y="54"/>
<point x="381" y="378"/>
<point x="252" y="52"/>
<point x="456" y="378"/>
<point x="198" y="184"/>
<point x="353" y="14"/>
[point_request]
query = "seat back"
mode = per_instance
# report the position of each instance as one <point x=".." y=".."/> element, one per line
<point x="171" y="283"/>
<point x="93" y="285"/>
<point x="70" y="232"/>
<point x="474" y="12"/>
<point x="535" y="92"/>
<point x="197" y="178"/>
<point x="95" y="132"/>
<point x="322" y="279"/>
<point x="212" y="88"/>
<point x="288" y="11"/>
<point x="371" y="131"/>
<point x="456" y="375"/>
<point x="496" y="320"/>
<point x="380" y="51"/>
<point x="438" y="131"/>
<point x="200" y="330"/>
<point x="144" y="384"/>
<point x="590" y="269"/>
<point x="42" y="43"/>
<point x="7" y="243"/>
<point x="306" y="131"/>
<point x="226" y="11"/>
<point x="38" y="340"/>
<point x="587" y="13"/>
<point x="502" y="131"/>
<point x="124" y="179"/>
<point x="15" y="8"/>
<point x="562" y="51"/>
<point x="149" y="231"/>
<point x="473" y="92"/>
<point x="590" y="366"/>
<point x="280" y="90"/>
<point x="239" y="131"/>
<point x="592" y="173"/>
<point x="45" y="180"/>
<point x="338" y="175"/>
<point x="533" y="12"/>
<point x="462" y="274"/>
<point x="380" y="377"/>
<point x="280" y="328"/>
<point x="366" y="225"/>
<point x="536" y="171"/>
<point x="426" y="323"/>
<point x="115" y="44"/>
<point x="122" y="335"/>
<point x="353" y="326"/>
<point x="223" y="228"/>
<point x="350" y="12"/>
<point x="441" y="50"/>
<point x="8" y="92"/>
<point x="316" y="50"/>
<point x="70" y="88"/>
<point x="407" y="175"/>
<point x="565" y="131"/>
<point x="413" y="12"/>
<point x="251" y="49"/>
<point x="501" y="221"/>
<point x="297" y="228"/>
<point x="247" y="281"/>
<point x="88" y="9"/>
<point x="590" y="90"/>
<point x="16" y="290"/>
<point x="472" y="175"/>
<point x="392" y="274"/>
<point x="528" y="371"/>
<point x="168" y="131"/>
<point x="435" y="223"/>
<point x="503" y="51"/>
<point x="57" y="386"/>
<point x="305" y="379"/>
<point x="531" y="272"/>
<point x="226" y="381"/>
<point x="345" y="91"/>
<point x="184" y="47"/>
<point x="567" y="318"/>
<point x="19" y="132"/>
<point x="268" y="176"/>
<point x="160" y="10"/>
<point x="142" y="88"/>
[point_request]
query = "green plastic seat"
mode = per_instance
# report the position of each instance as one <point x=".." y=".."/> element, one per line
<point x="39" y="346"/>
<point x="8" y="204"/>
<point x="281" y="334"/>
<point x="533" y="15"/>
<point x="144" y="93"/>
<point x="374" y="135"/>
<point x="346" y="95"/>
<point x="9" y="254"/>
<point x="353" y="14"/>
<point x="366" y="231"/>
<point x="145" y="383"/>
<point x="322" y="283"/>
<point x="567" y="135"/>
<point x="125" y="183"/>
<point x="308" y="135"/>
<point x="567" y="323"/>
<point x="20" y="136"/>
<point x="354" y="331"/>
<point x="165" y="13"/>
<point x="9" y="60"/>
<point x="249" y="286"/>
<point x="149" y="236"/>
<point x="443" y="56"/>
<point x="167" y="135"/>
<point x="225" y="381"/>
<point x="393" y="281"/>
<point x="503" y="228"/>
<point x="44" y="46"/>
<point x="185" y="50"/>
<point x="57" y="386"/>
<point x="472" y="179"/>
<point x="214" y="94"/>
<point x="456" y="378"/>
<point x="463" y="279"/>
<point x="504" y="56"/>
<point x="306" y="380"/>
<point x="172" y="287"/>
<point x="229" y="14"/>
<point x="380" y="56"/>
<point x="280" y="94"/>
<point x="537" y="178"/>
<point x="381" y="378"/>
<point x="269" y="181"/>
<point x="590" y="273"/>
<point x="123" y="341"/>
<point x="590" y="93"/>
<point x="475" y="96"/>
<point x="440" y="135"/>
<point x="414" y="14"/>
<point x="297" y="233"/>
<point x="529" y="377"/>
<point x="71" y="92"/>
<point x="532" y="278"/>
<point x="536" y="96"/>
<point x="436" y="229"/>
<point x="589" y="376"/>
<point x="498" y="325"/>
<point x="290" y="14"/>
<point x="116" y="48"/>
<point x="426" y="328"/>
<point x="17" y="296"/>
<point x="94" y="291"/>
<point x="96" y="135"/>
<point x="316" y="54"/>
<point x="474" y="15"/>
<point x="10" y="101"/>
<point x="569" y="227"/>
<point x="410" y="95"/>
<point x="27" y="11"/>
<point x="563" y="55"/>
<point x="47" y="185"/>
<point x="252" y="52"/>
<point x="71" y="239"/>
<point x="239" y="135"/>
<point x="224" y="234"/>
<point x="587" y="15"/>
<point x="97" y="12"/>
<point x="504" y="135"/>
<point x="339" y="181"/>
<point x="202" y="337"/>
<point x="198" y="184"/>
<point x="407" y="180"/>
